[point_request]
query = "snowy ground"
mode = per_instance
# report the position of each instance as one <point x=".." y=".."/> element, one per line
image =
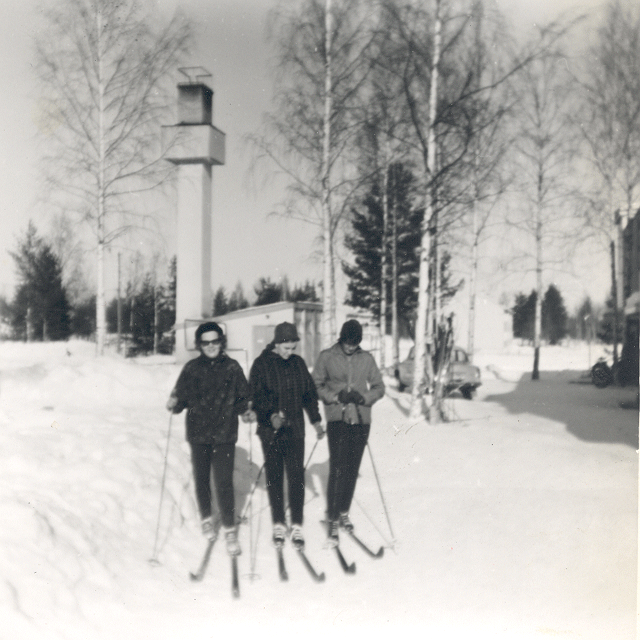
<point x="516" y="519"/>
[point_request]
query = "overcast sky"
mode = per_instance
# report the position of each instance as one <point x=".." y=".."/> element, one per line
<point x="247" y="243"/>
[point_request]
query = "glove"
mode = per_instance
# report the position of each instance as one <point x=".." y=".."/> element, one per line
<point x="249" y="416"/>
<point x="319" y="430"/>
<point x="172" y="402"/>
<point x="356" y="397"/>
<point x="344" y="396"/>
<point x="277" y="420"/>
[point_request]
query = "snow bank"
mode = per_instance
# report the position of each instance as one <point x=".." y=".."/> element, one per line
<point x="515" y="519"/>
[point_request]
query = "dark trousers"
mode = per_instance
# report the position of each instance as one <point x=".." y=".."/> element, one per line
<point x="280" y="453"/>
<point x="220" y="458"/>
<point x="346" y="446"/>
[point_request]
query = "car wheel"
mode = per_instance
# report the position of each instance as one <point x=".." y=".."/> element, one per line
<point x="467" y="393"/>
<point x="601" y="375"/>
<point x="401" y="387"/>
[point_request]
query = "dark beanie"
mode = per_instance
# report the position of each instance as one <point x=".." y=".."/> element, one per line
<point x="351" y="332"/>
<point x="208" y="326"/>
<point x="285" y="332"/>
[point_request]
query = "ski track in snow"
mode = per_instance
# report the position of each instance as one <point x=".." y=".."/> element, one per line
<point x="515" y="519"/>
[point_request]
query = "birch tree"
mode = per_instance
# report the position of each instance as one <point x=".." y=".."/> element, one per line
<point x="102" y="66"/>
<point x="545" y="147"/>
<point x="322" y="60"/>
<point x="423" y="327"/>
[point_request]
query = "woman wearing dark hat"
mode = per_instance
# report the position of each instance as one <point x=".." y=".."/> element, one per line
<point x="281" y="390"/>
<point x="214" y="390"/>
<point x="348" y="382"/>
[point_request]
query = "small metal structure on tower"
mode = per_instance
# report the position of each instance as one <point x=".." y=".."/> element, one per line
<point x="195" y="145"/>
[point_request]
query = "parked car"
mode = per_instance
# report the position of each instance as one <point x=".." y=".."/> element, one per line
<point x="460" y="376"/>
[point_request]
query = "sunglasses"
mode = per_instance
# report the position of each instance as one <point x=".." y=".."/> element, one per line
<point x="207" y="343"/>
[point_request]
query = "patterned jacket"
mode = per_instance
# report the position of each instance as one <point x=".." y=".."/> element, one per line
<point x="282" y="385"/>
<point x="335" y="370"/>
<point x="215" y="392"/>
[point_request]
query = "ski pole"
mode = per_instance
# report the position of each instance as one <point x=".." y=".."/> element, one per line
<point x="252" y="550"/>
<point x="255" y="484"/>
<point x="384" y="504"/>
<point x="253" y="488"/>
<point x="315" y="444"/>
<point x="154" y="559"/>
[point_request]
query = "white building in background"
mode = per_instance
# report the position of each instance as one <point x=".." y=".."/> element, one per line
<point x="493" y="326"/>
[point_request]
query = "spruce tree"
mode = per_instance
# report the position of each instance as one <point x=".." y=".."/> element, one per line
<point x="41" y="309"/>
<point x="365" y="242"/>
<point x="554" y="316"/>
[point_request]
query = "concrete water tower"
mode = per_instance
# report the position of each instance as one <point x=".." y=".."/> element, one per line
<point x="194" y="145"/>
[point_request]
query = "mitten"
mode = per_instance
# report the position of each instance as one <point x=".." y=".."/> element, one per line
<point x="344" y="396"/>
<point x="356" y="397"/>
<point x="277" y="420"/>
<point x="172" y="404"/>
<point x="249" y="416"/>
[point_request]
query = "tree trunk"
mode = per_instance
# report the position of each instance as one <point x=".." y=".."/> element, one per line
<point x="328" y="292"/>
<point x="395" y="338"/>
<point x="537" y="324"/>
<point x="100" y="298"/>
<point x="614" y="301"/>
<point x="383" y="265"/>
<point x="422" y="330"/>
<point x="119" y="310"/>
<point x="472" y="297"/>
<point x="101" y="303"/>
<point x="156" y="307"/>
<point x="474" y="266"/>
<point x="29" y="324"/>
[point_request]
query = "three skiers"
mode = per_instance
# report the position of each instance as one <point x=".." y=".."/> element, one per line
<point x="214" y="390"/>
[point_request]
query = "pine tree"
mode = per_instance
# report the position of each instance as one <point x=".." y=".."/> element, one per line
<point x="365" y="243"/>
<point x="304" y="293"/>
<point x="41" y="309"/>
<point x="267" y="292"/>
<point x="237" y="299"/>
<point x="554" y="316"/>
<point x="220" y="302"/>
<point x="523" y="311"/>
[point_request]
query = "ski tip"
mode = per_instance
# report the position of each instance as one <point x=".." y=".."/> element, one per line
<point x="351" y="568"/>
<point x="194" y="577"/>
<point x="236" y="593"/>
<point x="320" y="578"/>
<point x="380" y="553"/>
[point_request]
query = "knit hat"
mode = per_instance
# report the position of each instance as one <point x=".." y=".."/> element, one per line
<point x="351" y="332"/>
<point x="205" y="327"/>
<point x="285" y="332"/>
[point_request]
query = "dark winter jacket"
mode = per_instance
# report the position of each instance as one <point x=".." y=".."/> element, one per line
<point x="282" y="385"/>
<point x="215" y="392"/>
<point x="335" y="370"/>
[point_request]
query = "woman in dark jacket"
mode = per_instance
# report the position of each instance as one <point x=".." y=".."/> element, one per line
<point x="214" y="390"/>
<point x="281" y="390"/>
